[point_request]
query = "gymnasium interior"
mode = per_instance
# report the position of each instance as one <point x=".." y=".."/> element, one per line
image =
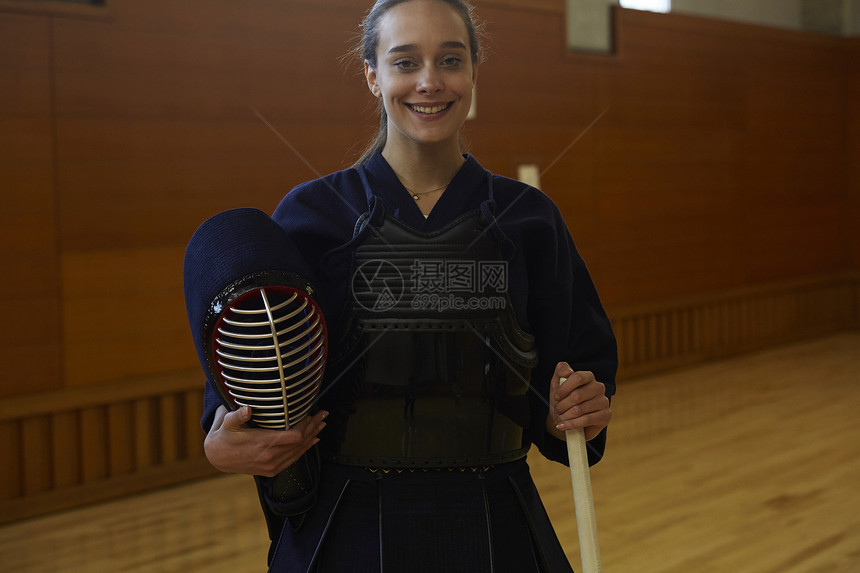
<point x="706" y="160"/>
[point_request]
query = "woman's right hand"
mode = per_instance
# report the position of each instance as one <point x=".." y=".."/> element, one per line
<point x="233" y="446"/>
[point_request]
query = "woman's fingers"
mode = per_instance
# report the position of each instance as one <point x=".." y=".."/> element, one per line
<point x="579" y="396"/>
<point x="579" y="401"/>
<point x="235" y="421"/>
<point x="234" y="446"/>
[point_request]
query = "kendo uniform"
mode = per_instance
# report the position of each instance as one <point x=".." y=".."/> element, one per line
<point x="434" y="400"/>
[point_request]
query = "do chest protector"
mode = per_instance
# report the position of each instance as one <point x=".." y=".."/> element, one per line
<point x="444" y="365"/>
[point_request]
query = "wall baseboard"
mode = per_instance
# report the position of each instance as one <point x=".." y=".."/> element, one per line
<point x="68" y="448"/>
<point x="659" y="336"/>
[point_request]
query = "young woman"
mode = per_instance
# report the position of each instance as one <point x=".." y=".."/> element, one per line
<point x="456" y="300"/>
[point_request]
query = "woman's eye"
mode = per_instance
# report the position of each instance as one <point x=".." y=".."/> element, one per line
<point x="451" y="61"/>
<point x="403" y="64"/>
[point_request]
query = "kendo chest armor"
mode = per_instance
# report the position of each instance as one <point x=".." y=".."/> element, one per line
<point x="444" y="367"/>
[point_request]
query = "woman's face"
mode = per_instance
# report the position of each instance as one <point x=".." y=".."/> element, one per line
<point x="424" y="73"/>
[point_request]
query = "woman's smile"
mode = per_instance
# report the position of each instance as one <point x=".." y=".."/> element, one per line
<point x="429" y="109"/>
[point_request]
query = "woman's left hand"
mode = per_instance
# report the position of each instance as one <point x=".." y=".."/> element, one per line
<point x="580" y="402"/>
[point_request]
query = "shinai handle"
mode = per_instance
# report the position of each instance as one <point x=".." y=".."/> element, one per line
<point x="586" y="521"/>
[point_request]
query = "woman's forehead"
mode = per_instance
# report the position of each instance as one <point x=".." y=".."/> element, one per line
<point x="422" y="23"/>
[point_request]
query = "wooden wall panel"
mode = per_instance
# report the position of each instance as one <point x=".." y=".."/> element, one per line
<point x="94" y="440"/>
<point x="140" y="184"/>
<point x="120" y="438"/>
<point x="124" y="314"/>
<point x="146" y="432"/>
<point x="66" y="444"/>
<point x="157" y="114"/>
<point x="11" y="475"/>
<point x="65" y="448"/>
<point x="36" y="464"/>
<point x="192" y="432"/>
<point x="719" y="163"/>
<point x="657" y="336"/>
<point x="170" y="430"/>
<point x="852" y="59"/>
<point x="30" y="351"/>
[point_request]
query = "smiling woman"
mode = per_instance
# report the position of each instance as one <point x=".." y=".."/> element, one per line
<point x="455" y="301"/>
<point x="423" y="73"/>
<point x="458" y="56"/>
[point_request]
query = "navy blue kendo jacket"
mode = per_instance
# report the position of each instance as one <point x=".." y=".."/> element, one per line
<point x="555" y="301"/>
<point x="549" y="284"/>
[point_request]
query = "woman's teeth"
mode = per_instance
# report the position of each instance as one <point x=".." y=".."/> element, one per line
<point x="425" y="109"/>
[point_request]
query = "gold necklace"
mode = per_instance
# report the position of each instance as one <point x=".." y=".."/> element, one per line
<point x="417" y="196"/>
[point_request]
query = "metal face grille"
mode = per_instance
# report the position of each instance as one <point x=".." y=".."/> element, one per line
<point x="270" y="347"/>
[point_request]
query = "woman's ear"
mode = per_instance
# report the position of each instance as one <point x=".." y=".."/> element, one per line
<point x="370" y="74"/>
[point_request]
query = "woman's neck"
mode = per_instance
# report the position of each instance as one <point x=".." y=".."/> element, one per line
<point x="422" y="168"/>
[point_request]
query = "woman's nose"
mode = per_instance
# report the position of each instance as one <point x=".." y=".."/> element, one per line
<point x="430" y="81"/>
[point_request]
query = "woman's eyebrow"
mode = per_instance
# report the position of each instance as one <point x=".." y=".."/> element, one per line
<point x="454" y="45"/>
<point x="412" y="47"/>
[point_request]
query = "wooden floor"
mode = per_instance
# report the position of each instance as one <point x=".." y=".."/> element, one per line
<point x="750" y="465"/>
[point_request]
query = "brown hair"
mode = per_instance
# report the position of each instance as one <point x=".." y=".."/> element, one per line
<point x="366" y="51"/>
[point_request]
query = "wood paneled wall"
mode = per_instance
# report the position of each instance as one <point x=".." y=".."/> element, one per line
<point x="31" y="350"/>
<point x="65" y="448"/>
<point x="716" y="197"/>
<point x="720" y="161"/>
<point x="658" y="336"/>
<point x="853" y="151"/>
